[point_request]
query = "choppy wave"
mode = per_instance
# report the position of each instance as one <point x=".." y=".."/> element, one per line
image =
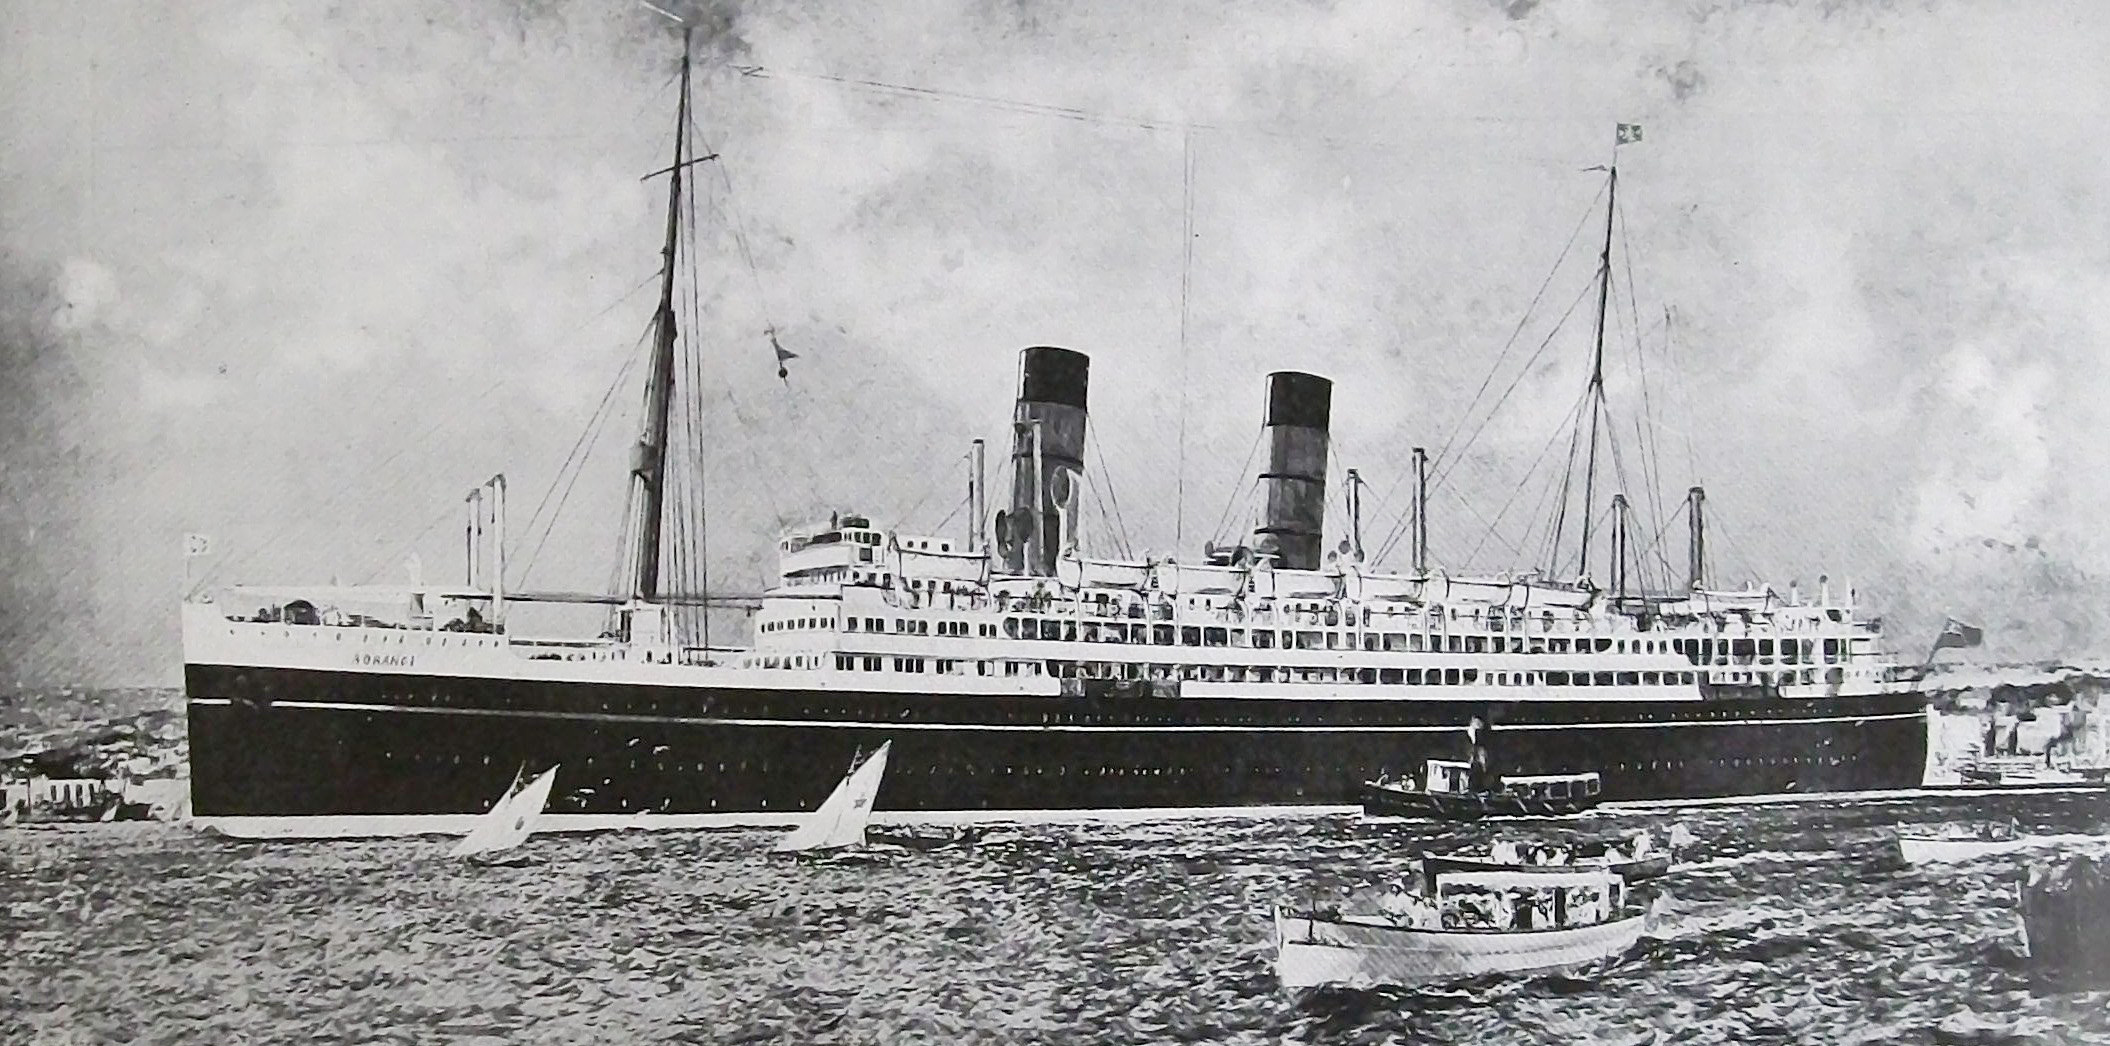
<point x="1792" y="926"/>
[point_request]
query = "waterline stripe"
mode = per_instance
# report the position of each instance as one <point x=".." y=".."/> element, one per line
<point x="355" y="826"/>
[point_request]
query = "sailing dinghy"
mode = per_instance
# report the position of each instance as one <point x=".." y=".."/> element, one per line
<point x="840" y="821"/>
<point x="510" y="820"/>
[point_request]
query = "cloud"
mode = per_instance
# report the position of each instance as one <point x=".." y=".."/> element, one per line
<point x="85" y="290"/>
<point x="300" y="276"/>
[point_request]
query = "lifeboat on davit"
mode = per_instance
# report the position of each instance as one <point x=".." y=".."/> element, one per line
<point x="1077" y="571"/>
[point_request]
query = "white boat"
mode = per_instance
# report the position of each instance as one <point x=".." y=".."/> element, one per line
<point x="1081" y="572"/>
<point x="1542" y="595"/>
<point x="510" y="820"/>
<point x="1755" y="599"/>
<point x="842" y="817"/>
<point x="1363" y="586"/>
<point x="1949" y="849"/>
<point x="1575" y="918"/>
<point x="926" y="563"/>
<point x="1442" y="588"/>
<point x="1278" y="583"/>
<point x="1189" y="579"/>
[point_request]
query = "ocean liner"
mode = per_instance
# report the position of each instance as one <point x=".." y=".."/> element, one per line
<point x="1017" y="673"/>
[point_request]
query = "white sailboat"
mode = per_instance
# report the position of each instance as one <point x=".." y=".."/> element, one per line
<point x="510" y="821"/>
<point x="841" y="819"/>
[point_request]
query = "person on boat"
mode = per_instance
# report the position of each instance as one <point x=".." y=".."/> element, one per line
<point x="1644" y="844"/>
<point x="1505" y="851"/>
<point x="1398" y="905"/>
<point x="1524" y="910"/>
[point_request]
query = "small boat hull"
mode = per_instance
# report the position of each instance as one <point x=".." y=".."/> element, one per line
<point x="1312" y="953"/>
<point x="1650" y="867"/>
<point x="1916" y="849"/>
<point x="1469" y="806"/>
<point x="908" y="840"/>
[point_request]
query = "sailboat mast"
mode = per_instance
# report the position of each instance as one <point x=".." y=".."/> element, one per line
<point x="648" y="460"/>
<point x="1596" y="394"/>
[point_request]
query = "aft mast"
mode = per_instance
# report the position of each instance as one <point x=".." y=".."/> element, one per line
<point x="648" y="459"/>
<point x="1596" y="391"/>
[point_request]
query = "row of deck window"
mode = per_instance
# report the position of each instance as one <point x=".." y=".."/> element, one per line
<point x="1740" y="651"/>
<point x="1237" y="673"/>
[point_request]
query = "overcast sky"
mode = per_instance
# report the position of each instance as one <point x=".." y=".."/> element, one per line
<point x="296" y="276"/>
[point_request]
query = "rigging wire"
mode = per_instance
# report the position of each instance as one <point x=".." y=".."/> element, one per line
<point x="936" y="482"/>
<point x="1120" y="541"/>
<point x="1241" y="491"/>
<point x="1565" y="425"/>
<point x="1545" y="343"/>
<point x="1618" y="463"/>
<point x="1500" y="357"/>
<point x="739" y="230"/>
<point x="1560" y="518"/>
<point x="1652" y="462"/>
<point x="589" y="429"/>
<point x="1488" y="531"/>
<point x="1004" y="104"/>
<point x="1443" y="450"/>
<point x="1091" y="436"/>
<point x="1179" y="526"/>
<point x="421" y="441"/>
<point x="1399" y="529"/>
<point x="794" y="398"/>
<point x="1655" y="543"/>
<point x="697" y="569"/>
<point x="589" y="438"/>
<point x="393" y="554"/>
<point x="947" y="521"/>
<point x="1720" y="535"/>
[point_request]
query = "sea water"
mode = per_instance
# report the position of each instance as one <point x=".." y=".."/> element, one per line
<point x="1793" y="925"/>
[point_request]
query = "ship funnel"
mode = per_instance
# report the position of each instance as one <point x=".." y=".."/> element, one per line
<point x="1047" y="461"/>
<point x="1298" y="407"/>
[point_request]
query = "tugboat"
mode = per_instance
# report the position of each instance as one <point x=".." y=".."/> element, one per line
<point x="1449" y="796"/>
<point x="1467" y="924"/>
<point x="1468" y="791"/>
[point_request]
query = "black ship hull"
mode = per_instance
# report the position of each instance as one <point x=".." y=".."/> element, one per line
<point x="279" y="743"/>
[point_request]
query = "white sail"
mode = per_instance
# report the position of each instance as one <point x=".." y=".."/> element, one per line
<point x="510" y="821"/>
<point x="841" y="819"/>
